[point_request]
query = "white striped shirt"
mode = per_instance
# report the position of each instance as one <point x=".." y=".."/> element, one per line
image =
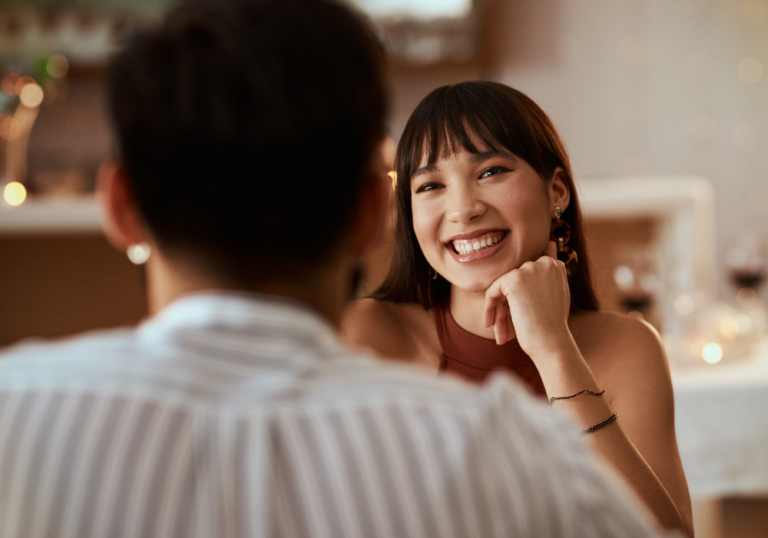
<point x="234" y="415"/>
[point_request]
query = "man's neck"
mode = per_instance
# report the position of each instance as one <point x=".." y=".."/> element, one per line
<point x="324" y="290"/>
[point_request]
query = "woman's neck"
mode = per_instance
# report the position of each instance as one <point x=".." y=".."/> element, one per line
<point x="467" y="310"/>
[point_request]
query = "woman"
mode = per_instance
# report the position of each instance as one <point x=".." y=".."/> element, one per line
<point x="485" y="208"/>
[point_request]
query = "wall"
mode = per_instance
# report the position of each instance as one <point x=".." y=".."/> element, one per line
<point x="644" y="87"/>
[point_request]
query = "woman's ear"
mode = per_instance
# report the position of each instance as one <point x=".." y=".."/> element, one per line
<point x="121" y="221"/>
<point x="559" y="189"/>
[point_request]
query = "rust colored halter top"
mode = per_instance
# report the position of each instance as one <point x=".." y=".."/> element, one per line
<point x="474" y="358"/>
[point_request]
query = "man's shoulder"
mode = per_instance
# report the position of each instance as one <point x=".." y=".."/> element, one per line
<point x="47" y="361"/>
<point x="74" y="348"/>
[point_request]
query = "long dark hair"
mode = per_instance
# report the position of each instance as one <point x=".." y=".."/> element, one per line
<point x="501" y="117"/>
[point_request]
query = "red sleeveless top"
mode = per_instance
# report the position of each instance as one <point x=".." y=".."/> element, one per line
<point x="474" y="358"/>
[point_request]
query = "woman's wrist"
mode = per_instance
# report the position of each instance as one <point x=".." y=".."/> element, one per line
<point x="563" y="370"/>
<point x="556" y="351"/>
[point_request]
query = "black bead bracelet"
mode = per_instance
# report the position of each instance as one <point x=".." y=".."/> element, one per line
<point x="602" y="424"/>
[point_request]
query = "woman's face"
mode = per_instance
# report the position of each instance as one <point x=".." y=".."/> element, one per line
<point x="479" y="216"/>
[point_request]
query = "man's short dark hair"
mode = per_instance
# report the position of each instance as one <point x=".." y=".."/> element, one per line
<point x="247" y="128"/>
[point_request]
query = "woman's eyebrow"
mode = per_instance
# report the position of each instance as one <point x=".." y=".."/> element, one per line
<point x="480" y="157"/>
<point x="424" y="170"/>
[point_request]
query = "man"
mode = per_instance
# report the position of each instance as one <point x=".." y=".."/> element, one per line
<point x="248" y="135"/>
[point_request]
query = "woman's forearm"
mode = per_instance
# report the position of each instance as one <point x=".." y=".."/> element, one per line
<point x="566" y="373"/>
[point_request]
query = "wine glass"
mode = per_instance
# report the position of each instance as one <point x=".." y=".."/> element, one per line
<point x="747" y="269"/>
<point x="637" y="279"/>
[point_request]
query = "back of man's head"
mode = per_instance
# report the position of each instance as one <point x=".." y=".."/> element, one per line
<point x="247" y="128"/>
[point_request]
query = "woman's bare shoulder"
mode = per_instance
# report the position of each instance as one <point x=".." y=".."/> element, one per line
<point x="390" y="330"/>
<point x="620" y="345"/>
<point x="600" y="326"/>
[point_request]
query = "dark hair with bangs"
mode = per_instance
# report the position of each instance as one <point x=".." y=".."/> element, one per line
<point x="501" y="117"/>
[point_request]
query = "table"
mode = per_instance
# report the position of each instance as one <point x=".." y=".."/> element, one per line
<point x="721" y="416"/>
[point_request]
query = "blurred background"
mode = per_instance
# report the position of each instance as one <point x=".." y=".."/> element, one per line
<point x="662" y="104"/>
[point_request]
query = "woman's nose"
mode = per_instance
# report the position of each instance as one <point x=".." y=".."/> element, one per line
<point x="464" y="206"/>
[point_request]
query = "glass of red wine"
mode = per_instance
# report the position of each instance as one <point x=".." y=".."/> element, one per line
<point x="637" y="279"/>
<point x="747" y="270"/>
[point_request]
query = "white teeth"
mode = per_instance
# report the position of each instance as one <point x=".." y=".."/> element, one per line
<point x="466" y="247"/>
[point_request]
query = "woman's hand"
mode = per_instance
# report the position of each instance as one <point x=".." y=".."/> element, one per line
<point x="531" y="302"/>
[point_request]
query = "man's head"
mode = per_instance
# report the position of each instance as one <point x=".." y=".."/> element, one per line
<point x="247" y="129"/>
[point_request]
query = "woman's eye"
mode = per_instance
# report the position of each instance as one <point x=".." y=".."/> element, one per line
<point x="492" y="171"/>
<point x="428" y="187"/>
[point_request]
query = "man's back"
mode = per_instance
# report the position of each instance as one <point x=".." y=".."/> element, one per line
<point x="234" y="415"/>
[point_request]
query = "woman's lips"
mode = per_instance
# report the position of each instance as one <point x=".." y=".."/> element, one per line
<point x="472" y="250"/>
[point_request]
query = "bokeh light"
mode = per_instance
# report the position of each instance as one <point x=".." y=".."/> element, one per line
<point x="8" y="84"/>
<point x="14" y="193"/>
<point x="393" y="175"/>
<point x="742" y="323"/>
<point x="750" y="70"/>
<point x="624" y="276"/>
<point x="57" y="66"/>
<point x="684" y="305"/>
<point x="712" y="353"/>
<point x="728" y="328"/>
<point x="21" y="82"/>
<point x="31" y="95"/>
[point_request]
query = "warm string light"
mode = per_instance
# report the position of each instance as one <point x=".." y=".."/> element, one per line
<point x="57" y="66"/>
<point x="21" y="83"/>
<point x="712" y="353"/>
<point x="8" y="84"/>
<point x="31" y="95"/>
<point x="14" y="193"/>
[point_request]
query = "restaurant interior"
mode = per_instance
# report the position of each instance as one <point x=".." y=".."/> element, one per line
<point x="663" y="107"/>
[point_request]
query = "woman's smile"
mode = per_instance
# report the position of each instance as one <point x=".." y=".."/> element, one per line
<point x="476" y="246"/>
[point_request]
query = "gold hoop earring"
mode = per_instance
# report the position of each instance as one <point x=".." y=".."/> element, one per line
<point x="432" y="276"/>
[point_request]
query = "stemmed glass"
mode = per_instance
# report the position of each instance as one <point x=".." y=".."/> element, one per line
<point x="637" y="279"/>
<point x="747" y="270"/>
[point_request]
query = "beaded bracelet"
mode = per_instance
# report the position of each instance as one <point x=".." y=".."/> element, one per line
<point x="602" y="424"/>
<point x="554" y="398"/>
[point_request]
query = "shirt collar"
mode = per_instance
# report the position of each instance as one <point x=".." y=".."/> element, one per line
<point x="240" y="311"/>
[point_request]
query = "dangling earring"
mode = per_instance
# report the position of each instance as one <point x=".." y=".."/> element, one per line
<point x="560" y="233"/>
<point x="138" y="253"/>
<point x="432" y="274"/>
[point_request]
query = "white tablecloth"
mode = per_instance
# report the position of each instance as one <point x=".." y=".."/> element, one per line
<point x="721" y="415"/>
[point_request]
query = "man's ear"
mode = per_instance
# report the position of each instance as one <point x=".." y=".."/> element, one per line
<point x="121" y="221"/>
<point x="559" y="189"/>
<point x="371" y="214"/>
